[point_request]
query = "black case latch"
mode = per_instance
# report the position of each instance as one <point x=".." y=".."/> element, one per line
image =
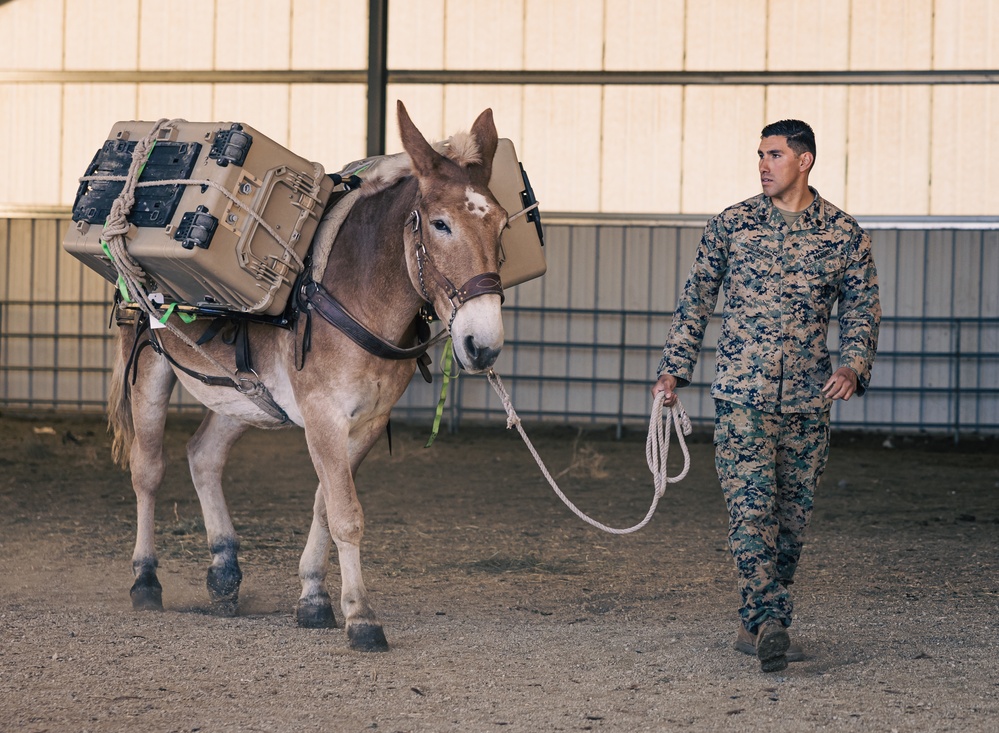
<point x="196" y="228"/>
<point x="231" y="146"/>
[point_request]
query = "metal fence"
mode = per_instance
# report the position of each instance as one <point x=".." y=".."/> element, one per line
<point x="945" y="385"/>
<point x="583" y="342"/>
<point x="948" y="387"/>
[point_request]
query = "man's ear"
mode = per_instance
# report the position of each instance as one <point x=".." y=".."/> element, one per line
<point x="806" y="160"/>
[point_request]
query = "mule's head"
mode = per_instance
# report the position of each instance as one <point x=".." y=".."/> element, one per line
<point x="453" y="237"/>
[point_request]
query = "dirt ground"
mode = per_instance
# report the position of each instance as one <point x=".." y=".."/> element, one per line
<point x="503" y="610"/>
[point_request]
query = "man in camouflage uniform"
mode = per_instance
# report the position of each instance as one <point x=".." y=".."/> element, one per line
<point x="784" y="258"/>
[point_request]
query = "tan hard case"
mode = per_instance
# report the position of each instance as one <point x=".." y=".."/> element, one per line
<point x="243" y="268"/>
<point x="521" y="257"/>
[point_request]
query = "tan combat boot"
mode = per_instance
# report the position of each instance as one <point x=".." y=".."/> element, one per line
<point x="746" y="643"/>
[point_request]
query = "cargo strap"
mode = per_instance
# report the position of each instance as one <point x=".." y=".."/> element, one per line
<point x="314" y="297"/>
<point x="253" y="389"/>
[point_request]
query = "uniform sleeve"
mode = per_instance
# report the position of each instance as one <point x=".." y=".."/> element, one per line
<point x="859" y="313"/>
<point x="696" y="304"/>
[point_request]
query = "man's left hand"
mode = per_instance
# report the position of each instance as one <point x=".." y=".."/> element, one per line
<point x="841" y="385"/>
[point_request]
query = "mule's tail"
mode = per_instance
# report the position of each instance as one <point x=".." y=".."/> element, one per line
<point x="120" y="401"/>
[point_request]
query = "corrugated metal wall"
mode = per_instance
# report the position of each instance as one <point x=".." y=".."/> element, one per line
<point x="583" y="341"/>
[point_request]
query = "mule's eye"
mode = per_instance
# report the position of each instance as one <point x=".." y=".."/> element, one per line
<point x="441" y="226"/>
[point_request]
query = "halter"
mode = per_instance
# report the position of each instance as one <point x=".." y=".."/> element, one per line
<point x="486" y="283"/>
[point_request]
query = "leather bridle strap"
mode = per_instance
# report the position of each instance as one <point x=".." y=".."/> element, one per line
<point x="315" y="297"/>
<point x="486" y="283"/>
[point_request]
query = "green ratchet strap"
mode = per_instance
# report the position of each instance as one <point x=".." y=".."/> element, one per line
<point x="446" y="369"/>
<point x="122" y="288"/>
<point x="185" y="317"/>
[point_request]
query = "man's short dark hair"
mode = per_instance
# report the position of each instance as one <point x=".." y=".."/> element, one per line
<point x="799" y="135"/>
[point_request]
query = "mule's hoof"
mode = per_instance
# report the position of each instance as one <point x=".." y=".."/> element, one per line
<point x="367" y="638"/>
<point x="223" y="583"/>
<point x="147" y="593"/>
<point x="315" y="615"/>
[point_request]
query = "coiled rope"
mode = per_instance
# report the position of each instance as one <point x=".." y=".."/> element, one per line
<point x="656" y="451"/>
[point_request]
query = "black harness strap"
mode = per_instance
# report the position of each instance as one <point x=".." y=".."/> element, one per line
<point x="303" y="336"/>
<point x="212" y="331"/>
<point x="132" y="365"/>
<point x="252" y="389"/>
<point x="203" y="378"/>
<point x="244" y="360"/>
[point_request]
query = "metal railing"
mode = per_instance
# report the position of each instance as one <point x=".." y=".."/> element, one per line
<point x="934" y="375"/>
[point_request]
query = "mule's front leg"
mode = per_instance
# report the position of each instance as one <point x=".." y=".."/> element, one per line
<point x="315" y="609"/>
<point x="336" y="502"/>
<point x="207" y="452"/>
<point x="345" y="525"/>
<point x="363" y="630"/>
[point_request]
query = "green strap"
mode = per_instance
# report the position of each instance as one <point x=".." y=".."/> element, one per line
<point x="446" y="369"/>
<point x="185" y="317"/>
<point x="122" y="288"/>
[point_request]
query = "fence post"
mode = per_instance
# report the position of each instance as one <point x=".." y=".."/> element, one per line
<point x="620" y="375"/>
<point x="957" y="383"/>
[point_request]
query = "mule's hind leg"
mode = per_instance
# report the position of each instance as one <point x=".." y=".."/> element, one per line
<point x="149" y="398"/>
<point x="207" y="452"/>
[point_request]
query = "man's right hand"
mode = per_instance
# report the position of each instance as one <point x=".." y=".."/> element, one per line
<point x="667" y="385"/>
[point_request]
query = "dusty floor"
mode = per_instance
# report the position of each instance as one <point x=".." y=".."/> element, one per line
<point x="504" y="611"/>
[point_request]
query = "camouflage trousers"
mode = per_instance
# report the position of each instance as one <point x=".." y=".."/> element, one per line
<point x="769" y="466"/>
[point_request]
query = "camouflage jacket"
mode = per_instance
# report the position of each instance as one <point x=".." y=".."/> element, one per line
<point x="780" y="285"/>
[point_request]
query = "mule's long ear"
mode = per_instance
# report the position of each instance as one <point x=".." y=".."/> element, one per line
<point x="424" y="157"/>
<point x="484" y="132"/>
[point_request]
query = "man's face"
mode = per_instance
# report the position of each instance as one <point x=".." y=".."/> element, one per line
<point x="780" y="168"/>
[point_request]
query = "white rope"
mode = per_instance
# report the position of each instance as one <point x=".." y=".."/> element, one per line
<point x="522" y="212"/>
<point x="656" y="451"/>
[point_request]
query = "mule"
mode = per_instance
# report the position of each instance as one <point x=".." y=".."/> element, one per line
<point x="402" y="245"/>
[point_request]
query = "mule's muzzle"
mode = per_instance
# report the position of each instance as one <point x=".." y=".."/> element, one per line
<point x="480" y="357"/>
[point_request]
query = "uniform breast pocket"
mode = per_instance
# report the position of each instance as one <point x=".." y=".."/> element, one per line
<point x="824" y="275"/>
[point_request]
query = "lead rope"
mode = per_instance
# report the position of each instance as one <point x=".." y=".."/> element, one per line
<point x="656" y="451"/>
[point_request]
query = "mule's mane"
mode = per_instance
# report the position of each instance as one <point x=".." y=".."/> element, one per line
<point x="387" y="170"/>
<point x="462" y="148"/>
